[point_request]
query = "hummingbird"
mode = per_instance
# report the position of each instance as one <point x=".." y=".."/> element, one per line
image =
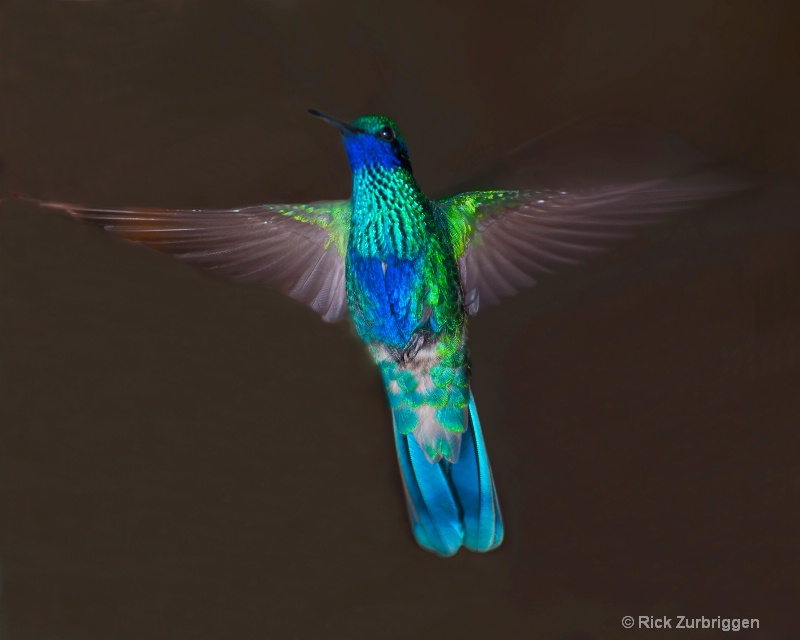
<point x="408" y="271"/>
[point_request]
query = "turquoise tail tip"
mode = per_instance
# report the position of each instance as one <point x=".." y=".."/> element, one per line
<point x="451" y="504"/>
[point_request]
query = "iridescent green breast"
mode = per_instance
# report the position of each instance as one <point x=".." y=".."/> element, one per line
<point x="402" y="277"/>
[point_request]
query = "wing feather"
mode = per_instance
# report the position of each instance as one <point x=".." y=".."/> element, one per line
<point x="505" y="240"/>
<point x="293" y="248"/>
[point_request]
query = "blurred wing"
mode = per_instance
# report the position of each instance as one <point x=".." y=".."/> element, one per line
<point x="506" y="239"/>
<point x="297" y="249"/>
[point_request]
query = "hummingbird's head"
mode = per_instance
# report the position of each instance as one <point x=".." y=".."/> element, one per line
<point x="371" y="142"/>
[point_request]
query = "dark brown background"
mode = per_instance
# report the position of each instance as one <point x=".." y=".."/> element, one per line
<point x="183" y="457"/>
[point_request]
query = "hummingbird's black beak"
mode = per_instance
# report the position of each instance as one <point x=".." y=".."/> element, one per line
<point x="344" y="127"/>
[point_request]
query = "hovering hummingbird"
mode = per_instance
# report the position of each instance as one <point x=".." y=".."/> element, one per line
<point x="408" y="271"/>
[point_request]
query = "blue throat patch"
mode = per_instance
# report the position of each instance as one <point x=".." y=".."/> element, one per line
<point x="365" y="150"/>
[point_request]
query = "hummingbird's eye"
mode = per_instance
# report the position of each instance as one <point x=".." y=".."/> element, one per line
<point x="387" y="133"/>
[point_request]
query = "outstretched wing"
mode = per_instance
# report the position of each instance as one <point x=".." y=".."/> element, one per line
<point x="297" y="249"/>
<point x="504" y="240"/>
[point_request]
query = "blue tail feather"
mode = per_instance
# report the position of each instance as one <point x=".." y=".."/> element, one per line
<point x="451" y="504"/>
<point x="472" y="479"/>
<point x="432" y="506"/>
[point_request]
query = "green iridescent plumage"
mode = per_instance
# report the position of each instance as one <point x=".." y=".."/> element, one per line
<point x="404" y="291"/>
<point x="409" y="271"/>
